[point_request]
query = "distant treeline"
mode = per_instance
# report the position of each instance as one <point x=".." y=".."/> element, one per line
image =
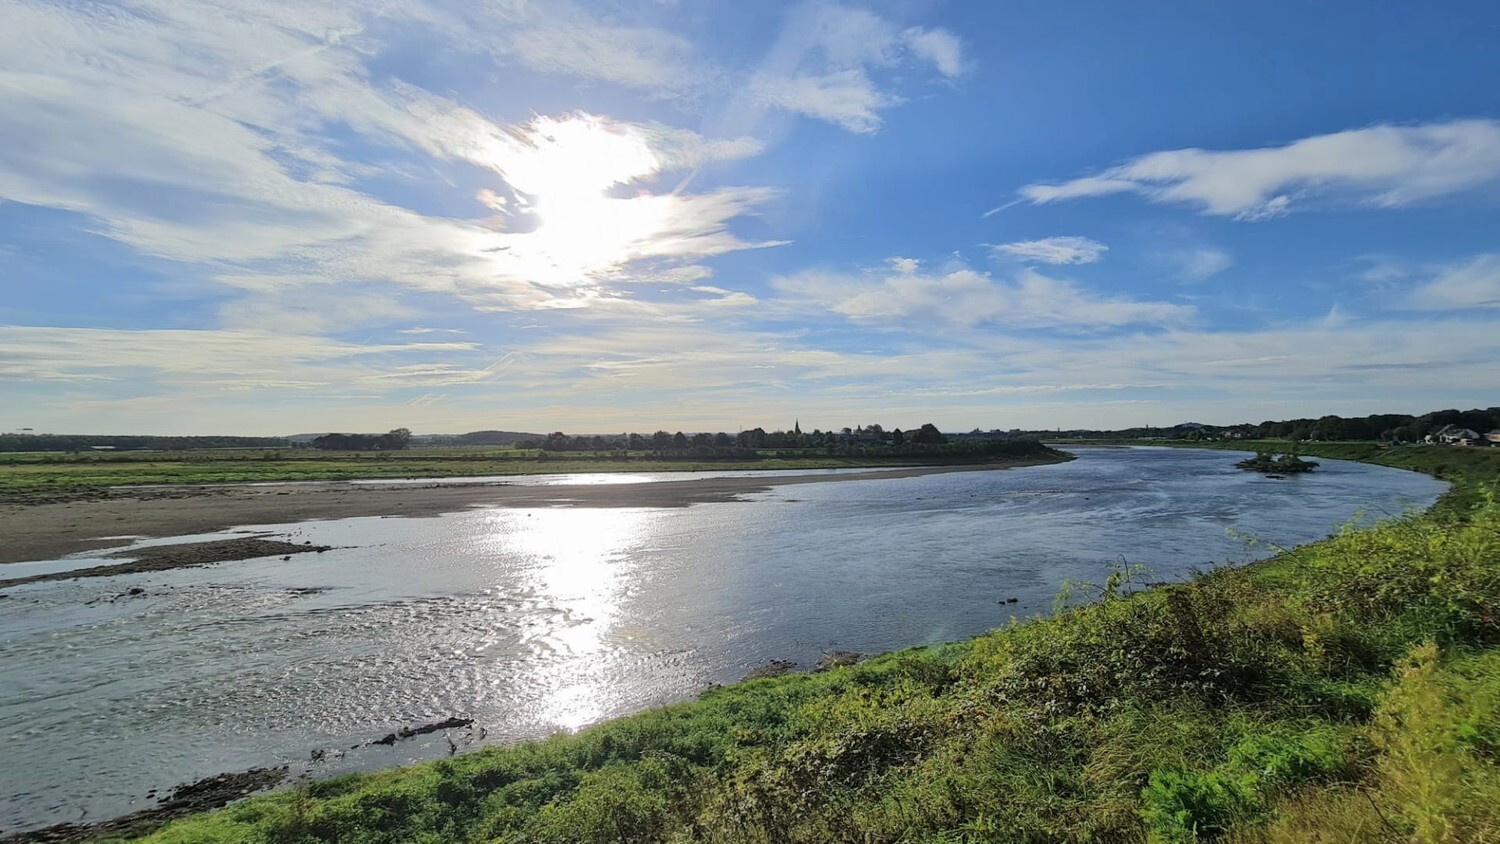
<point x="84" y="442"/>
<point x="861" y="442"/>
<point x="483" y="438"/>
<point x="389" y="441"/>
<point x="1381" y="427"/>
<point x="745" y="442"/>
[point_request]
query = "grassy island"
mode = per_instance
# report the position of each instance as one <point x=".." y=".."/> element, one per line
<point x="1344" y="691"/>
<point x="1273" y="464"/>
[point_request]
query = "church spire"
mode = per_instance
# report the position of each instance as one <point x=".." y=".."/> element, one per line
<point x="797" y="427"/>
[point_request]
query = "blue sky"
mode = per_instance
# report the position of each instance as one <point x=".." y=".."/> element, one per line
<point x="266" y="217"/>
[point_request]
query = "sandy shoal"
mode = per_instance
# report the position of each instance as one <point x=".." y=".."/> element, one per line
<point x="53" y="530"/>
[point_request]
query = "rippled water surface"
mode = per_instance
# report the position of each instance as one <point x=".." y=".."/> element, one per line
<point x="531" y="620"/>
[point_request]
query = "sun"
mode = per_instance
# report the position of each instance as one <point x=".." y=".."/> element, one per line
<point x="563" y="172"/>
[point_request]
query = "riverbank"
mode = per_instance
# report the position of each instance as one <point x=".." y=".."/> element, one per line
<point x="1347" y="690"/>
<point x="41" y="478"/>
<point x="55" y="529"/>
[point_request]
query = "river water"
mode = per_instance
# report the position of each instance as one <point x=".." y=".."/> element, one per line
<point x="534" y="620"/>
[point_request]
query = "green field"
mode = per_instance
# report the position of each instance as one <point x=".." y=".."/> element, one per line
<point x="39" y="476"/>
<point x="1347" y="691"/>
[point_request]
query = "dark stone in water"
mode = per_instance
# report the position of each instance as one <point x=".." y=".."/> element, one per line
<point x="774" y="668"/>
<point x="411" y="732"/>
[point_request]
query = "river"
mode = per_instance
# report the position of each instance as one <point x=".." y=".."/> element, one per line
<point x="535" y="620"/>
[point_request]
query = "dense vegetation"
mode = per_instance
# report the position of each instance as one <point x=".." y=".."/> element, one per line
<point x="1276" y="464"/>
<point x="395" y="440"/>
<point x="862" y="439"/>
<point x="1345" y="691"/>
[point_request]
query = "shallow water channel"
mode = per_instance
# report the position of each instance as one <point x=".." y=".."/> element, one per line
<point x="533" y="620"/>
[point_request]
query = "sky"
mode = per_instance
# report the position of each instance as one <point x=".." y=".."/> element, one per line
<point x="266" y="217"/>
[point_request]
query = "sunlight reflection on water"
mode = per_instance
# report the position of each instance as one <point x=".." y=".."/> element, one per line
<point x="581" y="558"/>
<point x="533" y="620"/>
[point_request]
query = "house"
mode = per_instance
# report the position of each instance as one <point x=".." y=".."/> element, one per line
<point x="1493" y="437"/>
<point x="1454" y="435"/>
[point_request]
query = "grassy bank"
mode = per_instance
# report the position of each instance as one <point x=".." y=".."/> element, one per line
<point x="27" y="477"/>
<point x="1346" y="691"/>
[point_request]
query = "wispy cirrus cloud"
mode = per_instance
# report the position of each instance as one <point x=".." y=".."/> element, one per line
<point x="207" y="357"/>
<point x="1198" y="263"/>
<point x="938" y="46"/>
<point x="847" y="98"/>
<point x="1474" y="283"/>
<point x="559" y="37"/>
<point x="966" y="298"/>
<point x="825" y="61"/>
<point x="228" y="131"/>
<point x="1053" y="250"/>
<point x="1385" y="166"/>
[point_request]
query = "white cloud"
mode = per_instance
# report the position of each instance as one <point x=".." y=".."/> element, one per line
<point x="1473" y="284"/>
<point x="226" y="129"/>
<point x="1054" y="250"/>
<point x="563" y="38"/>
<point x="216" y="359"/>
<point x="824" y="64"/>
<point x="1197" y="264"/>
<point x="968" y="299"/>
<point x="848" y="37"/>
<point x="846" y="98"/>
<point x="1384" y="166"/>
<point x="938" y="46"/>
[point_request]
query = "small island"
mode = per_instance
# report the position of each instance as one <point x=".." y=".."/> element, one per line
<point x="1272" y="464"/>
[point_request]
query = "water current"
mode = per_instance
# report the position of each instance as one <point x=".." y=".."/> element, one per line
<point x="535" y="620"/>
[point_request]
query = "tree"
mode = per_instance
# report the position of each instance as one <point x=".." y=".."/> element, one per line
<point x="898" y="438"/>
<point x="929" y="435"/>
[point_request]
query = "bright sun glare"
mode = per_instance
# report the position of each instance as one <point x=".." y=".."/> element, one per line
<point x="563" y="169"/>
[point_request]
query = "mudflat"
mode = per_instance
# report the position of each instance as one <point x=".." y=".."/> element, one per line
<point x="164" y="557"/>
<point x="51" y="530"/>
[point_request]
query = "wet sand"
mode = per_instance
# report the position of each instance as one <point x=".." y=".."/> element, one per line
<point x="164" y="557"/>
<point x="53" y="530"/>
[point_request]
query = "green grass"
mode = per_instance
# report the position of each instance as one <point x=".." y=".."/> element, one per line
<point x="30" y="476"/>
<point x="1347" y="691"/>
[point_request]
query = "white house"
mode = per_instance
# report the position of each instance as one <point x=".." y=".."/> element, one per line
<point x="1454" y="435"/>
